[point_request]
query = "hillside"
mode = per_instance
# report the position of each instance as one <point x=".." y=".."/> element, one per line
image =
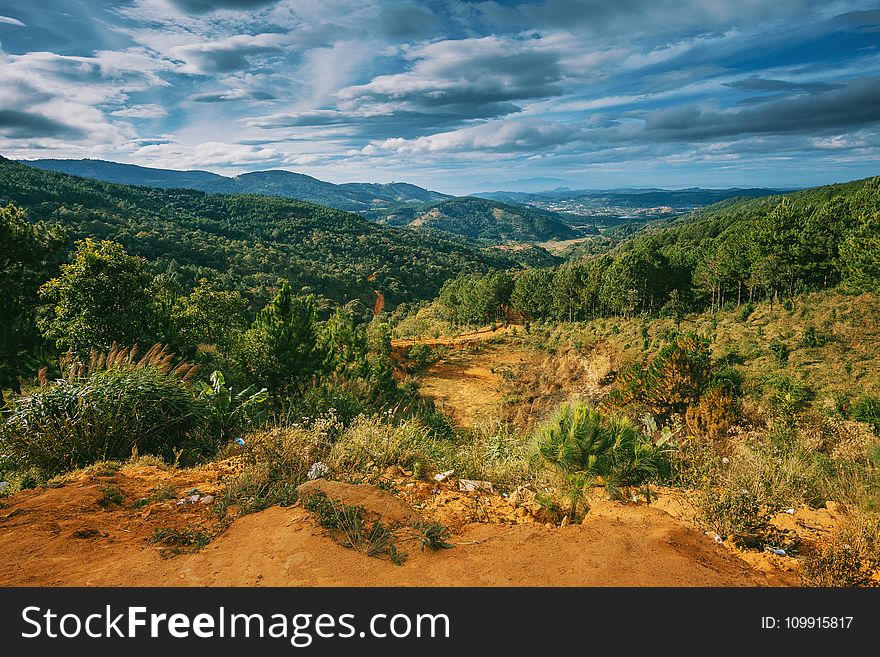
<point x="486" y="220"/>
<point x="247" y="242"/>
<point x="351" y="197"/>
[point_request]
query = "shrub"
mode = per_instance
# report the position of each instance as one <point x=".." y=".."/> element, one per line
<point x="713" y="416"/>
<point x="785" y="394"/>
<point x="583" y="443"/>
<point x="836" y="565"/>
<point x="780" y="350"/>
<point x="729" y="512"/>
<point x="672" y="381"/>
<point x="347" y="525"/>
<point x="277" y="461"/>
<point x="110" y="495"/>
<point x="746" y="311"/>
<point x="231" y="414"/>
<point x="105" y="414"/>
<point x="420" y="356"/>
<point x="866" y="409"/>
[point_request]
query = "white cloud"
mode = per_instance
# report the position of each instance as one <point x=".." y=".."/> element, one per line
<point x="11" y="21"/>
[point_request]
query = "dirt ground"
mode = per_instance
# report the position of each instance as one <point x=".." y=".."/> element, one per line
<point x="63" y="537"/>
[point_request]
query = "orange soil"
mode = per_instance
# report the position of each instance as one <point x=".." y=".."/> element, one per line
<point x="628" y="545"/>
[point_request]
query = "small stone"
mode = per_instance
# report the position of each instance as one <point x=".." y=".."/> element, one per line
<point x="207" y="499"/>
<point x="832" y="506"/>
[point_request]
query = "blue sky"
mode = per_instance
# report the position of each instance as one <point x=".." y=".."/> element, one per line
<point x="452" y="95"/>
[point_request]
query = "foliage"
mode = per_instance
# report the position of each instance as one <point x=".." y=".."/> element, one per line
<point x="780" y="350"/>
<point x="674" y="379"/>
<point x="867" y="409"/>
<point x="246" y="242"/>
<point x="231" y="414"/>
<point x="110" y="495"/>
<point x="432" y="535"/>
<point x="714" y="415"/>
<point x="105" y="409"/>
<point x="836" y="566"/>
<point x="281" y="347"/>
<point x="208" y="316"/>
<point x="489" y="221"/>
<point x="180" y="540"/>
<point x="348" y="525"/>
<point x="582" y="443"/>
<point x="28" y="257"/>
<point x="100" y="298"/>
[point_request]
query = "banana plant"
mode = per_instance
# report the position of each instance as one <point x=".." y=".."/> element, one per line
<point x="232" y="412"/>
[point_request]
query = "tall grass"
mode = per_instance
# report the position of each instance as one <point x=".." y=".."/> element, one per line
<point x="105" y="408"/>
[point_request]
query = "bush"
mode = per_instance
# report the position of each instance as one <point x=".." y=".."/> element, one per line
<point x="866" y="409"/>
<point x="105" y="415"/>
<point x="837" y="565"/>
<point x="673" y="380"/>
<point x="729" y="512"/>
<point x="582" y="443"/>
<point x="277" y="461"/>
<point x="780" y="350"/>
<point x="713" y="416"/>
<point x="785" y="394"/>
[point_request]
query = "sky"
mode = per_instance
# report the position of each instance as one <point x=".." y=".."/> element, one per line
<point x="452" y="95"/>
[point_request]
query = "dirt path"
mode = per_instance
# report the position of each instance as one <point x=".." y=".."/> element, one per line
<point x="621" y="545"/>
<point x="467" y="384"/>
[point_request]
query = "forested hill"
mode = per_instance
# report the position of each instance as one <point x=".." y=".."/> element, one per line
<point x="487" y="220"/>
<point x="352" y="197"/>
<point x="729" y="254"/>
<point x="247" y="242"/>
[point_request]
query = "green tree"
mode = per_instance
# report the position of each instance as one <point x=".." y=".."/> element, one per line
<point x="28" y="256"/>
<point x="281" y="347"/>
<point x="209" y="316"/>
<point x="102" y="297"/>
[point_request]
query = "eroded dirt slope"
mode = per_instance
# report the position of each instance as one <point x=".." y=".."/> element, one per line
<point x="62" y="536"/>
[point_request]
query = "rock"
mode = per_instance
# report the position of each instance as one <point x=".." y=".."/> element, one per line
<point x="443" y="476"/>
<point x="207" y="499"/>
<point x="565" y="522"/>
<point x="470" y="485"/>
<point x="4" y="485"/>
<point x="832" y="506"/>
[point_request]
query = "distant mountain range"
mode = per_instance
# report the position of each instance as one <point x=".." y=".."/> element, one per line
<point x="352" y="197"/>
<point x="634" y="198"/>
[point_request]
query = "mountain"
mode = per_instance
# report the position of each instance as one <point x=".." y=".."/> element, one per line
<point x="248" y="242"/>
<point x="632" y="198"/>
<point x="352" y="197"/>
<point x="486" y="220"/>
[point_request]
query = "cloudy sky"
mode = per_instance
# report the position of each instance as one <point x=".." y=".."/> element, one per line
<point x="452" y="95"/>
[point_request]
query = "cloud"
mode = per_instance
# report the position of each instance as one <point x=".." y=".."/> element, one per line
<point x="142" y="112"/>
<point x="20" y="125"/>
<point x="855" y="105"/>
<point x="406" y="22"/>
<point x="207" y="6"/>
<point x="226" y="55"/>
<point x="455" y="81"/>
<point x="6" y="20"/>
<point x="178" y="155"/>
<point x="509" y="136"/>
<point x="763" y="84"/>
<point x="231" y="95"/>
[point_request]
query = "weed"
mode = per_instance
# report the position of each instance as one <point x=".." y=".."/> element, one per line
<point x="111" y="495"/>
<point x="180" y="541"/>
<point x="158" y="494"/>
<point x="432" y="535"/>
<point x="837" y="566"/>
<point x="348" y="526"/>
